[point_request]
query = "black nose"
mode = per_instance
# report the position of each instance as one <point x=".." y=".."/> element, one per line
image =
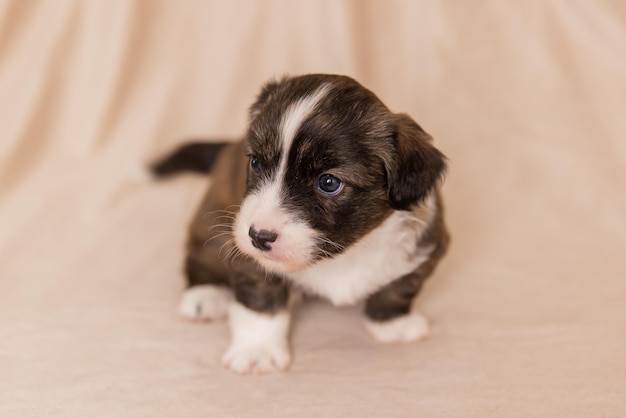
<point x="261" y="238"/>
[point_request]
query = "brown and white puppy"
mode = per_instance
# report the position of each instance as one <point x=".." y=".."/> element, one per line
<point x="330" y="193"/>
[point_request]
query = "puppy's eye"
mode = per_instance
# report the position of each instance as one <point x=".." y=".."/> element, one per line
<point x="255" y="165"/>
<point x="329" y="184"/>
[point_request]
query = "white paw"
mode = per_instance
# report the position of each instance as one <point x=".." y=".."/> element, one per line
<point x="205" y="303"/>
<point x="407" y="328"/>
<point x="257" y="358"/>
<point x="258" y="341"/>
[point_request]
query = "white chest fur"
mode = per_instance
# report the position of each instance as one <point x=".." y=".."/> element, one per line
<point x="383" y="255"/>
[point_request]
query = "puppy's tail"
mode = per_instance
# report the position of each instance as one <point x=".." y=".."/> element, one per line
<point x="197" y="157"/>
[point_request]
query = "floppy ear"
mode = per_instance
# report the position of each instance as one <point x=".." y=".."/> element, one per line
<point x="415" y="167"/>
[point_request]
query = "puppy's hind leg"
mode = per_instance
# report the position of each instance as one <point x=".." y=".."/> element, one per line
<point x="208" y="296"/>
<point x="390" y="316"/>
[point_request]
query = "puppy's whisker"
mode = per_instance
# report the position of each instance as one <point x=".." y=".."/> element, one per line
<point x="219" y="228"/>
<point x="328" y="253"/>
<point x="212" y="227"/>
<point x="220" y="234"/>
<point x="233" y="255"/>
<point x="217" y="236"/>
<point x="237" y="254"/>
<point x="219" y="252"/>
<point x="218" y="212"/>
<point x="215" y="232"/>
<point x="324" y="252"/>
<point x="325" y="240"/>
<point x="234" y="252"/>
<point x="225" y="210"/>
<point x="231" y="217"/>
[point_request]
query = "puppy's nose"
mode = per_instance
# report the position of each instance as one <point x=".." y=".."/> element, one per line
<point x="261" y="238"/>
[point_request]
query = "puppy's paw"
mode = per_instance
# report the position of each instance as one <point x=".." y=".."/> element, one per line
<point x="407" y="328"/>
<point x="257" y="358"/>
<point x="259" y="341"/>
<point x="205" y="303"/>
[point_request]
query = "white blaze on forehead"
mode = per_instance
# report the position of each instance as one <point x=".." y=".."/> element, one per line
<point x="293" y="118"/>
<point x="262" y="208"/>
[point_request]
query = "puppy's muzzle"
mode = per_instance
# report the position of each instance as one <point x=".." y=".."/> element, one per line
<point x="260" y="239"/>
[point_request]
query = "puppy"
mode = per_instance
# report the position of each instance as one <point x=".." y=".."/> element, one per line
<point x="329" y="193"/>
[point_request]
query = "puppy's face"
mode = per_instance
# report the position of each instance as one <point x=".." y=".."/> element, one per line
<point x="328" y="163"/>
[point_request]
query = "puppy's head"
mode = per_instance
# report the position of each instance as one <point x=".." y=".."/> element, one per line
<point x="328" y="163"/>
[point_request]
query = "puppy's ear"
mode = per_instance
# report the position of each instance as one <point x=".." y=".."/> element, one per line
<point x="266" y="93"/>
<point x="415" y="167"/>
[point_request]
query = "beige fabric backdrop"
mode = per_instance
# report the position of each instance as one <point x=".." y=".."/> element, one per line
<point x="528" y="99"/>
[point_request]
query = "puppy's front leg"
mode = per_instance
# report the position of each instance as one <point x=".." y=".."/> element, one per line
<point x="259" y="320"/>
